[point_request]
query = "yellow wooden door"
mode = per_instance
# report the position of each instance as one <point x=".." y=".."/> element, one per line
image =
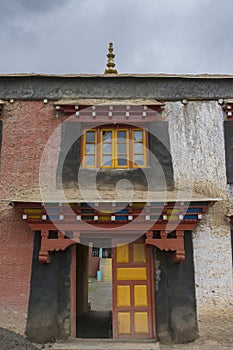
<point x="133" y="310"/>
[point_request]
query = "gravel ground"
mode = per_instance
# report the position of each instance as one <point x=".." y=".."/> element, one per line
<point x="12" y="341"/>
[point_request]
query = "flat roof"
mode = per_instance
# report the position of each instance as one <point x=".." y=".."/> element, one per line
<point x="127" y="75"/>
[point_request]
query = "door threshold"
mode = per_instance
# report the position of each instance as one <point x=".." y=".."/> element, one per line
<point x="107" y="344"/>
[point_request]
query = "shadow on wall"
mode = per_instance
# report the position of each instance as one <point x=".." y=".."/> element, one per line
<point x="157" y="176"/>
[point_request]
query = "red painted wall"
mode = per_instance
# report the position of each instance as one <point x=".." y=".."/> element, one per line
<point x="27" y="125"/>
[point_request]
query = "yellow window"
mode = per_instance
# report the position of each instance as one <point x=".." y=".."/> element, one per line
<point x="122" y="148"/>
<point x="114" y="148"/>
<point x="139" y="149"/>
<point x="89" y="149"/>
<point x="106" y="148"/>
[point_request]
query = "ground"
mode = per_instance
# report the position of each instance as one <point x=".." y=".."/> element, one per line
<point x="215" y="326"/>
<point x="11" y="341"/>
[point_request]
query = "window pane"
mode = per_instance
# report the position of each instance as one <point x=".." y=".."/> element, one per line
<point x="90" y="148"/>
<point x="122" y="161"/>
<point x="90" y="136"/>
<point x="121" y="135"/>
<point x="107" y="161"/>
<point x="139" y="159"/>
<point x="90" y="160"/>
<point x="122" y="148"/>
<point x="138" y="135"/>
<point x="107" y="136"/>
<point x="138" y="148"/>
<point x="107" y="148"/>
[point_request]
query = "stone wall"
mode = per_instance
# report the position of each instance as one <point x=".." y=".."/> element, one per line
<point x="197" y="147"/>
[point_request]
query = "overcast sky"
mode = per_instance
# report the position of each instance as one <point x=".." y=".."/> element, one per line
<point x="149" y="36"/>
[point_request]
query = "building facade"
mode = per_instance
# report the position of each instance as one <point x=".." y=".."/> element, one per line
<point x="139" y="164"/>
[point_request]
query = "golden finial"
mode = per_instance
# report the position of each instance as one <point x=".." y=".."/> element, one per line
<point x="110" y="64"/>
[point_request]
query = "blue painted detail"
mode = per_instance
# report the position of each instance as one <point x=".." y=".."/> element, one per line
<point x="194" y="210"/>
<point x="190" y="217"/>
<point x="53" y="217"/>
<point x="121" y="217"/>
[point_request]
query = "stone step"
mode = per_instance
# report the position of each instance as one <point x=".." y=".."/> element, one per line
<point x="106" y="344"/>
<point x="106" y="269"/>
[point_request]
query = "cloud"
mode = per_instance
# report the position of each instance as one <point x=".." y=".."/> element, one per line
<point x="64" y="36"/>
<point x="17" y="7"/>
<point x="42" y="5"/>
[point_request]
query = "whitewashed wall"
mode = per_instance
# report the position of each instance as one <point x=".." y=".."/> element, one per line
<point x="197" y="147"/>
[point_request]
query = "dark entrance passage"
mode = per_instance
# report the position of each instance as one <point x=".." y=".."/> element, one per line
<point x="93" y="300"/>
<point x="95" y="324"/>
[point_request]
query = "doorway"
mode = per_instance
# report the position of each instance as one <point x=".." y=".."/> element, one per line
<point x="130" y="314"/>
<point x="93" y="294"/>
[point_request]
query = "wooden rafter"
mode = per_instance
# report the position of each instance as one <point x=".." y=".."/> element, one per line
<point x="110" y="113"/>
<point x="166" y="230"/>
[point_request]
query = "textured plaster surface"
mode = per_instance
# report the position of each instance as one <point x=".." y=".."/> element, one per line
<point x="197" y="146"/>
<point x="26" y="129"/>
<point x="15" y="269"/>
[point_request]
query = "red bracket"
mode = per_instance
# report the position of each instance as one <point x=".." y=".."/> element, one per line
<point x="55" y="244"/>
<point x="164" y="243"/>
<point x="228" y="109"/>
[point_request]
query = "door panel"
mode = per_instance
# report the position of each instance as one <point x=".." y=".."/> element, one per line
<point x="140" y="296"/>
<point x="132" y="291"/>
<point x="131" y="273"/>
<point x="123" y="296"/>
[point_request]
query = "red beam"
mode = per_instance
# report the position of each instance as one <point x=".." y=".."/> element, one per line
<point x="134" y="227"/>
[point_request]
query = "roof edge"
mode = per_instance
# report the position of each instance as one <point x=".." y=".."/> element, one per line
<point x="117" y="76"/>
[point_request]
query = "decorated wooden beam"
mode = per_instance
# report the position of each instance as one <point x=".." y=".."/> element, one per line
<point x="163" y="223"/>
<point x="120" y="113"/>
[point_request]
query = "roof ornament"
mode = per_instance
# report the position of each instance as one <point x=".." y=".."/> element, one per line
<point x="111" y="64"/>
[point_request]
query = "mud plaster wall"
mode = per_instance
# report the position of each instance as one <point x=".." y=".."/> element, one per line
<point x="197" y="147"/>
<point x="20" y="162"/>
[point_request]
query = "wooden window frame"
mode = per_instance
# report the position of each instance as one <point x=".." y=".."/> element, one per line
<point x="144" y="144"/>
<point x="129" y="147"/>
<point x="84" y="149"/>
<point x="100" y="153"/>
<point x="116" y="166"/>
